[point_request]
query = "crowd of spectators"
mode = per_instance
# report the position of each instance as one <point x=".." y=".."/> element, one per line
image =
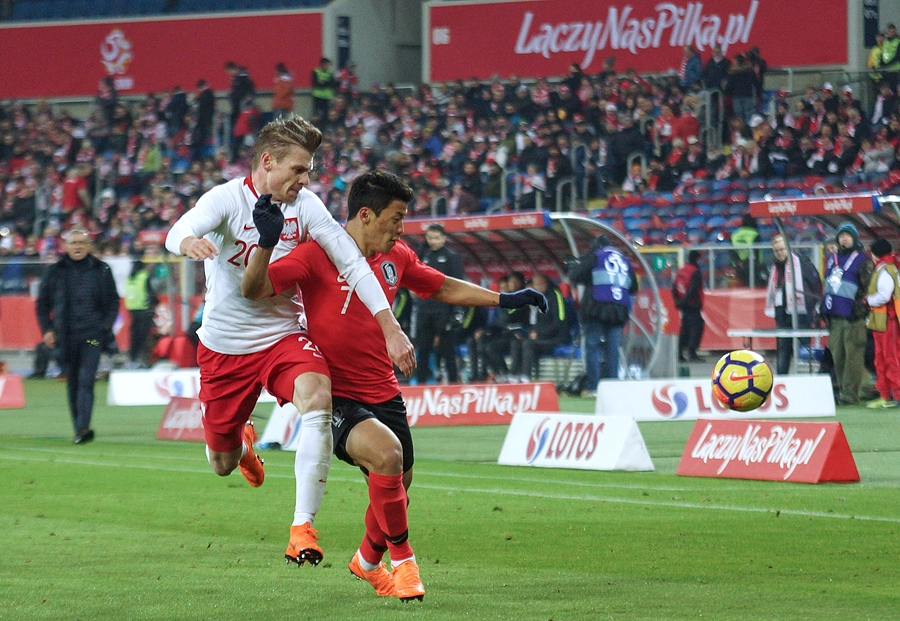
<point x="466" y="146"/>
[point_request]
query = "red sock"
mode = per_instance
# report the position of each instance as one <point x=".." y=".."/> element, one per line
<point x="387" y="499"/>
<point x="373" y="545"/>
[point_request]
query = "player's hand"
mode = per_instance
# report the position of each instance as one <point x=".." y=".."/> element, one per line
<point x="524" y="297"/>
<point x="50" y="339"/>
<point x="200" y="249"/>
<point x="401" y="352"/>
<point x="268" y="220"/>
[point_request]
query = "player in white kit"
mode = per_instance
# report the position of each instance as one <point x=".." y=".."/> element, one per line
<point x="247" y="345"/>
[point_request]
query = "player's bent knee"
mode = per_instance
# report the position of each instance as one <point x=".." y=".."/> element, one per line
<point x="387" y="458"/>
<point x="312" y="391"/>
<point x="388" y="462"/>
<point x="223" y="464"/>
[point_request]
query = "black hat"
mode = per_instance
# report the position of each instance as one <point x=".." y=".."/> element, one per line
<point x="881" y="247"/>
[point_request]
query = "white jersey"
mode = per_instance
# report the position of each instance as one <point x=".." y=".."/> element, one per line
<point x="232" y="324"/>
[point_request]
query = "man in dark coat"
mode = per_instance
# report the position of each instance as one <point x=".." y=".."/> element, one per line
<point x="76" y="307"/>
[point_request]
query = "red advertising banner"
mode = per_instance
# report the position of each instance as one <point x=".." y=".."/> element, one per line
<point x="12" y="393"/>
<point x="543" y="37"/>
<point x="769" y="451"/>
<point x="644" y="310"/>
<point x="740" y="307"/>
<point x="475" y="404"/>
<point x="152" y="55"/>
<point x="182" y="420"/>
<point x="833" y="205"/>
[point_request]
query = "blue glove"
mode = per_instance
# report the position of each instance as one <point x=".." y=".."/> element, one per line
<point x="524" y="297"/>
<point x="268" y="220"/>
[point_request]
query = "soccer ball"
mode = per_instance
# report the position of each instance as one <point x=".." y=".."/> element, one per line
<point x="742" y="380"/>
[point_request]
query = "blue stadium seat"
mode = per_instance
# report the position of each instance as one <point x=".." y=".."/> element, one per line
<point x="704" y="208"/>
<point x="714" y="221"/>
<point x="683" y="210"/>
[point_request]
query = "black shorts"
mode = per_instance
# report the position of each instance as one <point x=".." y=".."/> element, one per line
<point x="349" y="413"/>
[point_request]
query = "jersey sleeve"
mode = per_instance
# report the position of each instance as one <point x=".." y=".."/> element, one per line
<point x="293" y="268"/>
<point x="209" y="212"/>
<point x="344" y="253"/>
<point x="418" y="277"/>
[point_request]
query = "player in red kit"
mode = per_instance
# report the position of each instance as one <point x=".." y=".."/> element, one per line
<point x="369" y="419"/>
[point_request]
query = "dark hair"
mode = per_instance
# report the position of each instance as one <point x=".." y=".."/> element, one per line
<point x="435" y="228"/>
<point x="694" y="257"/>
<point x="136" y="267"/>
<point x="376" y="190"/>
<point x="601" y="241"/>
<point x="748" y="220"/>
<point x="881" y="247"/>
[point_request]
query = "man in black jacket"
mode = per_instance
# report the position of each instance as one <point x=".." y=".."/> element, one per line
<point x="76" y="307"/>
<point x="546" y="331"/>
<point x="436" y="323"/>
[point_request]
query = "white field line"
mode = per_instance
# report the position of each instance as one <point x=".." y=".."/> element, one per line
<point x="495" y="491"/>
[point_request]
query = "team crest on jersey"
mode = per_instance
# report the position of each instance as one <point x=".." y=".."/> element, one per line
<point x="291" y="230"/>
<point x="389" y="271"/>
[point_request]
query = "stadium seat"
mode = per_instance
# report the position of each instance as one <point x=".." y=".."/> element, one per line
<point x="682" y="210"/>
<point x="716" y="220"/>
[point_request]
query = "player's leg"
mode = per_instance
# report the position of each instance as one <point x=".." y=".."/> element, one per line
<point x="312" y="461"/>
<point x="229" y="391"/>
<point x="388" y="501"/>
<point x="299" y="374"/>
<point x="375" y="448"/>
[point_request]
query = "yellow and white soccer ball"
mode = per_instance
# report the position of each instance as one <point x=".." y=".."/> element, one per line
<point x="742" y="380"/>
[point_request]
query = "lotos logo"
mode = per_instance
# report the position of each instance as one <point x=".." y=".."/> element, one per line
<point x="291" y="230"/>
<point x="669" y="406"/>
<point x="115" y="52"/>
<point x="182" y="385"/>
<point x="538" y="440"/>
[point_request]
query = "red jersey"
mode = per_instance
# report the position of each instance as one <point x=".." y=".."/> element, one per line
<point x="339" y="323"/>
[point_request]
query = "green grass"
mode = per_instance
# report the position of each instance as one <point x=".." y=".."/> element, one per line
<point x="131" y="528"/>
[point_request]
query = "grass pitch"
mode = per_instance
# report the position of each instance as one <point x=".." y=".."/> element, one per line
<point x="131" y="528"/>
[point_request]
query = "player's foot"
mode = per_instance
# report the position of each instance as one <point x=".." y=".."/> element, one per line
<point x="380" y="577"/>
<point x="407" y="583"/>
<point x="83" y="436"/>
<point x="251" y="464"/>
<point x="877" y="404"/>
<point x="303" y="547"/>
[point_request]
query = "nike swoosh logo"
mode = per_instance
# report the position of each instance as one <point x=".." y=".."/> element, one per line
<point x="737" y="378"/>
<point x="249" y="228"/>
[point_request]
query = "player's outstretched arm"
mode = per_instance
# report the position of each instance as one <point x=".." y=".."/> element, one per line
<point x="462" y="293"/>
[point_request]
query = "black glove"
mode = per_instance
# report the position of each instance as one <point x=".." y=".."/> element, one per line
<point x="524" y="297"/>
<point x="268" y="220"/>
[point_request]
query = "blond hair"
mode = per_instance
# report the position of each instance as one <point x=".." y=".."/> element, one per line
<point x="280" y="135"/>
